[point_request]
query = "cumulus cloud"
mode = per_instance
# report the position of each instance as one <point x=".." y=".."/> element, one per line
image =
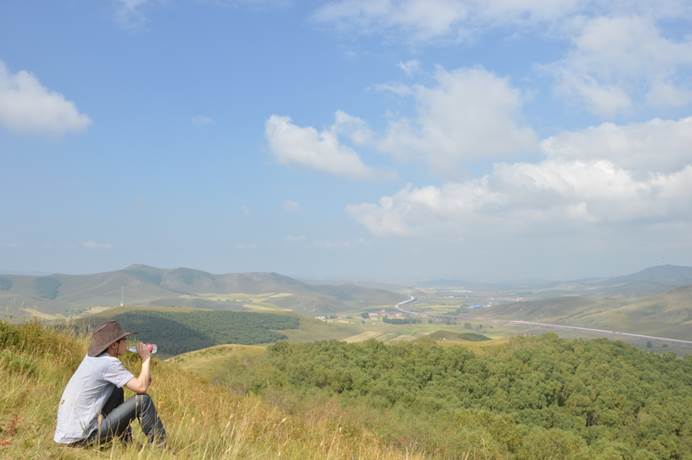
<point x="29" y="107"/>
<point x="607" y="174"/>
<point x="610" y="71"/>
<point x="354" y="128"/>
<point x="667" y="94"/>
<point x="468" y="115"/>
<point x="525" y="194"/>
<point x="655" y="146"/>
<point x="319" y="150"/>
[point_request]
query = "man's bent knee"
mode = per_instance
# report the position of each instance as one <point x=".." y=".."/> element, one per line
<point x="143" y="400"/>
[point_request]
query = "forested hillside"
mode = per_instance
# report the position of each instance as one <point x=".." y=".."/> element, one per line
<point x="177" y="332"/>
<point x="533" y="398"/>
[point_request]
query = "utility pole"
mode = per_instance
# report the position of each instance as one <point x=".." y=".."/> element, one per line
<point x="122" y="295"/>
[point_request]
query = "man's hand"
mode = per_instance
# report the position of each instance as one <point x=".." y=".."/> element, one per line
<point x="142" y="351"/>
<point x="140" y="384"/>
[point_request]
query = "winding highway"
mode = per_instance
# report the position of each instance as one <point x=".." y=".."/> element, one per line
<point x="404" y="302"/>
<point x="558" y="326"/>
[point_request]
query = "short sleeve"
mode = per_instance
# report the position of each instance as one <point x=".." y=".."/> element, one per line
<point x="117" y="374"/>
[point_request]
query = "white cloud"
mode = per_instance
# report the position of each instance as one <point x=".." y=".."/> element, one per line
<point x="354" y="128"/>
<point x="28" y="106"/>
<point x="319" y="150"/>
<point x="259" y="4"/>
<point x="470" y="114"/>
<point x="129" y="13"/>
<point x="396" y="88"/>
<point x="601" y="99"/>
<point x="409" y="67"/>
<point x="202" y="120"/>
<point x="90" y="244"/>
<point x="425" y="20"/>
<point x="610" y="70"/>
<point x="607" y="174"/>
<point x="667" y="94"/>
<point x="467" y="115"/>
<point x="294" y="238"/>
<point x="516" y="196"/>
<point x="655" y="146"/>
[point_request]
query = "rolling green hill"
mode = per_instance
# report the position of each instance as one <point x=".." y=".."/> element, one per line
<point x="668" y="314"/>
<point x="145" y="285"/>
<point x="649" y="281"/>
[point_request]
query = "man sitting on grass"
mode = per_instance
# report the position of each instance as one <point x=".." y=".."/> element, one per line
<point x="96" y="389"/>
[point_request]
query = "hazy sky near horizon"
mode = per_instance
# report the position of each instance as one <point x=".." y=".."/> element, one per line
<point x="385" y="139"/>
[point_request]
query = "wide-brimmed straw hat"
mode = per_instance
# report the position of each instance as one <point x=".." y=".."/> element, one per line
<point x="105" y="335"/>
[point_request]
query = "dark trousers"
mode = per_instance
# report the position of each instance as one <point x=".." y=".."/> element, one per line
<point x="118" y="414"/>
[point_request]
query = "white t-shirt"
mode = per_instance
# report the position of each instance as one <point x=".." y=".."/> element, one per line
<point x="85" y="394"/>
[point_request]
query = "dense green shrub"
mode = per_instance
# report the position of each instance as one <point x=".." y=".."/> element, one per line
<point x="534" y="398"/>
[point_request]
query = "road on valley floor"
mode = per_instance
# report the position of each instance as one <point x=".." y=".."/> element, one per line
<point x="602" y="331"/>
<point x="404" y="302"/>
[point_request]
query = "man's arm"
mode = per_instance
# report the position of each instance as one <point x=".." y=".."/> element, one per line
<point x="141" y="383"/>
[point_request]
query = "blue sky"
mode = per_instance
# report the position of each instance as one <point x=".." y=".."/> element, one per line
<point x="352" y="139"/>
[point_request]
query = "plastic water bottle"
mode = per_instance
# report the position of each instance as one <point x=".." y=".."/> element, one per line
<point x="150" y="346"/>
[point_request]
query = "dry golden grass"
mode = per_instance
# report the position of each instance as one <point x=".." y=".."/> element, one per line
<point x="204" y="421"/>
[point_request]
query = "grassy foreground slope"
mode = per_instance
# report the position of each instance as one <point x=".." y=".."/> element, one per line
<point x="203" y="420"/>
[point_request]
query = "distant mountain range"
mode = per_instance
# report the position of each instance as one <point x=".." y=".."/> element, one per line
<point x="656" y="300"/>
<point x="146" y="285"/>
<point x="652" y="280"/>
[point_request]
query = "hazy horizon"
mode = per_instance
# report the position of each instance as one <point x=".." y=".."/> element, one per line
<point x="340" y="140"/>
<point x="347" y="278"/>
